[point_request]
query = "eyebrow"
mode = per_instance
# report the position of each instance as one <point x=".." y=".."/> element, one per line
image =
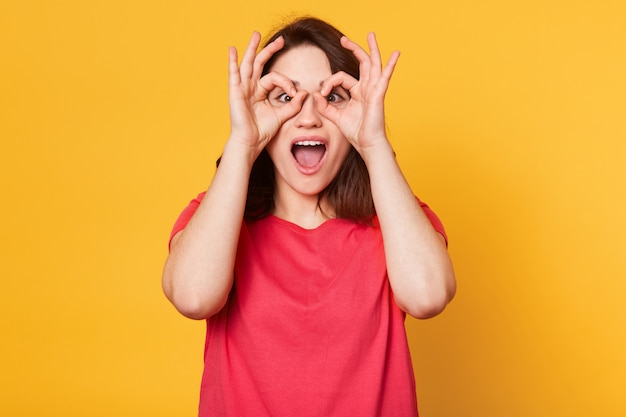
<point x="297" y="83"/>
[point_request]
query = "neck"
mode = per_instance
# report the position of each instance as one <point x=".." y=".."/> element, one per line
<point x="307" y="212"/>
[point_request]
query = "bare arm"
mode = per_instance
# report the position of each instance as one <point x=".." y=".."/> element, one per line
<point x="198" y="273"/>
<point x="419" y="268"/>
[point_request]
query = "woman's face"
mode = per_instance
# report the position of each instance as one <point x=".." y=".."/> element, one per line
<point x="309" y="149"/>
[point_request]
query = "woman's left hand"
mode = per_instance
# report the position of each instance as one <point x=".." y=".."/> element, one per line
<point x="362" y="118"/>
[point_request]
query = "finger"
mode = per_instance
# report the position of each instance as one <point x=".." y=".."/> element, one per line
<point x="292" y="108"/>
<point x="233" y="67"/>
<point x="274" y="80"/>
<point x="382" y="83"/>
<point x="360" y="54"/>
<point x="338" y="79"/>
<point x="247" y="60"/>
<point x="374" y="51"/>
<point x="329" y="112"/>
<point x="391" y="65"/>
<point x="353" y="47"/>
<point x="265" y="54"/>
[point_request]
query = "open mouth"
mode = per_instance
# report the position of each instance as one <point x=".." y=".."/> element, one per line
<point x="308" y="153"/>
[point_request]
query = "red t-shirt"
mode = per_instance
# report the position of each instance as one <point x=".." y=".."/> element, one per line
<point x="310" y="327"/>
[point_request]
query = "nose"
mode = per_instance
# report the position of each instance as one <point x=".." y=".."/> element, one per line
<point x="308" y="116"/>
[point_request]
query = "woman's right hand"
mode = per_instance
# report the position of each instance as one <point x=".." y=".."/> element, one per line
<point x="254" y="120"/>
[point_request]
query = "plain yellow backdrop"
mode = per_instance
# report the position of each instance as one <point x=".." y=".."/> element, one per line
<point x="508" y="118"/>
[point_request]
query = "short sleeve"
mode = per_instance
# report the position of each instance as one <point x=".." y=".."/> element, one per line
<point x="434" y="220"/>
<point x="189" y="211"/>
<point x="186" y="215"/>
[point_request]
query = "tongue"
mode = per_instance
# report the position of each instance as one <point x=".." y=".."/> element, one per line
<point x="308" y="156"/>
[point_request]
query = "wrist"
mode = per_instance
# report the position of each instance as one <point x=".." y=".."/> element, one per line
<point x="380" y="150"/>
<point x="239" y="152"/>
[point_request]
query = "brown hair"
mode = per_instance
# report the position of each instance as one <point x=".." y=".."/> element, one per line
<point x="349" y="194"/>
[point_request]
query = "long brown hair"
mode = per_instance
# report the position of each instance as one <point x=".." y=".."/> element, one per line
<point x="349" y="194"/>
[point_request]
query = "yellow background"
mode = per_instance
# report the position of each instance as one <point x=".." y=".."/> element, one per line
<point x="508" y="118"/>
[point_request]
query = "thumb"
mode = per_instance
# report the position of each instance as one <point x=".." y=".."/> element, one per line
<point x="329" y="112"/>
<point x="286" y="112"/>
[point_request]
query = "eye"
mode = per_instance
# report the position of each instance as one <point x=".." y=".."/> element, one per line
<point x="278" y="97"/>
<point x="283" y="97"/>
<point x="333" y="98"/>
<point x="338" y="97"/>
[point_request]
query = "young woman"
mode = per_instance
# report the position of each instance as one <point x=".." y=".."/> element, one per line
<point x="309" y="248"/>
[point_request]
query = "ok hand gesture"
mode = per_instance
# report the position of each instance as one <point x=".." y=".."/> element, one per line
<point x="254" y="121"/>
<point x="362" y="120"/>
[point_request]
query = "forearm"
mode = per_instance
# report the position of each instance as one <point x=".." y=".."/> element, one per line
<point x="419" y="268"/>
<point x="198" y="273"/>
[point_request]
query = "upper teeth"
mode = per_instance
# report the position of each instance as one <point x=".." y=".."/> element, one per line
<point x="309" y="143"/>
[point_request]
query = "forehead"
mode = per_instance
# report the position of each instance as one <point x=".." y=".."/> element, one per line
<point x="302" y="63"/>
